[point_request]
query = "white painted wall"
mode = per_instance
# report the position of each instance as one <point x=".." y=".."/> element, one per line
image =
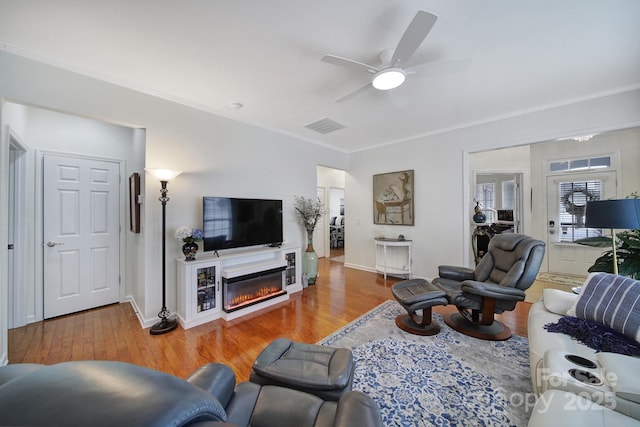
<point x="227" y="158"/>
<point x="442" y="169"/>
<point x="50" y="131"/>
<point x="219" y="156"/>
<point x="625" y="142"/>
<point x="534" y="157"/>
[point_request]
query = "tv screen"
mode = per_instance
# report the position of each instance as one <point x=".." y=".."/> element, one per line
<point x="234" y="223"/>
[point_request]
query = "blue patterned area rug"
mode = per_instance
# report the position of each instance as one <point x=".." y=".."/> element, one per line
<point x="448" y="379"/>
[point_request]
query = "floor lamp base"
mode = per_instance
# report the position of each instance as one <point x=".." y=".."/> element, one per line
<point x="163" y="326"/>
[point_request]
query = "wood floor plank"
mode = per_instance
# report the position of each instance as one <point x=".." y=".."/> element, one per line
<point x="114" y="332"/>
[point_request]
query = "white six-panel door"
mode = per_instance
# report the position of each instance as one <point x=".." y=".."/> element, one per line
<point x="81" y="228"/>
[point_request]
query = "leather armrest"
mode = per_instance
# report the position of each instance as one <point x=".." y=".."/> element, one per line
<point x="86" y="393"/>
<point x="491" y="290"/>
<point x="11" y="372"/>
<point x="357" y="409"/>
<point x="217" y="379"/>
<point x="455" y="273"/>
<point x="241" y="406"/>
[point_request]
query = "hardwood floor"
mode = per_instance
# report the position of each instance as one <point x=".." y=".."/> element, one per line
<point x="114" y="333"/>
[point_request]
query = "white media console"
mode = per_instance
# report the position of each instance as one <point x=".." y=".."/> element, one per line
<point x="270" y="274"/>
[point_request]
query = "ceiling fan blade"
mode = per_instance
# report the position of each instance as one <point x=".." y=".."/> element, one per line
<point x="349" y="63"/>
<point x="354" y="93"/>
<point x="448" y="66"/>
<point x="413" y="36"/>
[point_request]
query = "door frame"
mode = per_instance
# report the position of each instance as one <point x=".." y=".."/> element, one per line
<point x="39" y="226"/>
<point x="16" y="298"/>
<point x="321" y="250"/>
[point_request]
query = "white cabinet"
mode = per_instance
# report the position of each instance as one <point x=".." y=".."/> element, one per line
<point x="293" y="273"/>
<point x="199" y="291"/>
<point x="394" y="257"/>
<point x="200" y="284"/>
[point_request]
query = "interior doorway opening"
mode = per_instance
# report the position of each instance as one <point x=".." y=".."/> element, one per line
<point x="336" y="223"/>
<point x="332" y="182"/>
<point x="547" y="167"/>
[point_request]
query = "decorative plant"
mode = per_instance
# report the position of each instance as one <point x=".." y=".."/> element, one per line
<point x="627" y="251"/>
<point x="309" y="211"/>
<point x="188" y="235"/>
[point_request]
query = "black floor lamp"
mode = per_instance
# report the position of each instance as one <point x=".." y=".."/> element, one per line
<point x="165" y="324"/>
<point x="613" y="214"/>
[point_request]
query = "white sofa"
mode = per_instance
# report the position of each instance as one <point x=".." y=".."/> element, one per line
<point x="613" y="381"/>
<point x="557" y="408"/>
<point x="552" y="306"/>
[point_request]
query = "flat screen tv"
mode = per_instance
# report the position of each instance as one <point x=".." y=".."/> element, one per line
<point x="235" y="223"/>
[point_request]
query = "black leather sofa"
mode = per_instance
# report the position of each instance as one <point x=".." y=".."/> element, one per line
<point x="103" y="393"/>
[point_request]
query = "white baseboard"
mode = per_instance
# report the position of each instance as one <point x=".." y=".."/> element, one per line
<point x="360" y="267"/>
<point x="144" y="323"/>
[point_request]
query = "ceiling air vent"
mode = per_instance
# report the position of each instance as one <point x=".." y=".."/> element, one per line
<point x="325" y="126"/>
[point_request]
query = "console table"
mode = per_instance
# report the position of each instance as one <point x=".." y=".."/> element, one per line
<point x="394" y="257"/>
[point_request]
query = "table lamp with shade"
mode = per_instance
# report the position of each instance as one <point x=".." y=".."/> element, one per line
<point x="613" y="214"/>
<point x="165" y="324"/>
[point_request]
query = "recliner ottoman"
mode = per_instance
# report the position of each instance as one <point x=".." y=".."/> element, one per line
<point x="326" y="372"/>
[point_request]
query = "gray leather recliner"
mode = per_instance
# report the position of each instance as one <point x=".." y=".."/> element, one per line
<point x="498" y="282"/>
<point x="103" y="393"/>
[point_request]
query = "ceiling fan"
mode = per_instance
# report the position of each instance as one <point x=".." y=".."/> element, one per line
<point x="391" y="74"/>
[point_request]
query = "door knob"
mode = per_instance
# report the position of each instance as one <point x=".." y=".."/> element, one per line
<point x="52" y="244"/>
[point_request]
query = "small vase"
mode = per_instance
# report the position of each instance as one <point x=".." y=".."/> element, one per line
<point x="189" y="250"/>
<point x="479" y="218"/>
<point x="310" y="260"/>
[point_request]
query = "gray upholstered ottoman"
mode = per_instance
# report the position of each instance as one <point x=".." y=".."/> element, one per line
<point x="418" y="294"/>
<point x="326" y="372"/>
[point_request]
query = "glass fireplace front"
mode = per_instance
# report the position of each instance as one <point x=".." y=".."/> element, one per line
<point x="243" y="291"/>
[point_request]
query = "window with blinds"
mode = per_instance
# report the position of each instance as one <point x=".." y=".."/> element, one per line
<point x="486" y="196"/>
<point x="574" y="196"/>
<point x="509" y="195"/>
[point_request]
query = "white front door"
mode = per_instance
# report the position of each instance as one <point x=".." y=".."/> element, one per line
<point x="566" y="198"/>
<point x="81" y="228"/>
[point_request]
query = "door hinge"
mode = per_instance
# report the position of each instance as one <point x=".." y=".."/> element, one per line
<point x="10" y="247"/>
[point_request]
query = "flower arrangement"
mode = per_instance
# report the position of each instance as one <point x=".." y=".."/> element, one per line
<point x="188" y="235"/>
<point x="309" y="211"/>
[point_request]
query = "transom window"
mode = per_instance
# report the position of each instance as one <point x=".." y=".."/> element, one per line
<point x="574" y="165"/>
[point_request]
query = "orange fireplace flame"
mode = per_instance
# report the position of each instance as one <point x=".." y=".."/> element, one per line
<point x="259" y="295"/>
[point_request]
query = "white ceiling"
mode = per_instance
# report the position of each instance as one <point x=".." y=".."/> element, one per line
<point x="488" y="59"/>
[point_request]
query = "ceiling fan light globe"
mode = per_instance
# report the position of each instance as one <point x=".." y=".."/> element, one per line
<point x="390" y="78"/>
